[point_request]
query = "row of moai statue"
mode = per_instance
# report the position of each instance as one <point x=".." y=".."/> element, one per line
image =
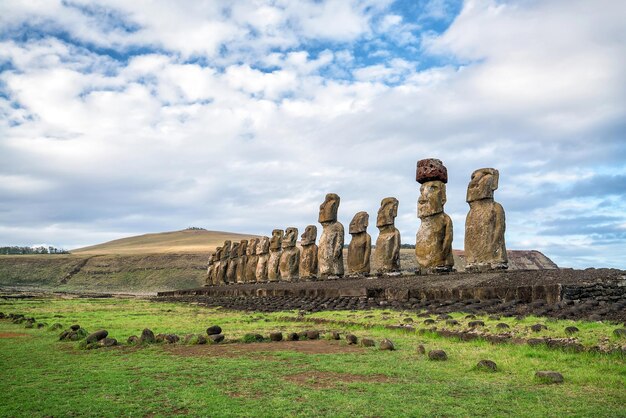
<point x="278" y="258"/>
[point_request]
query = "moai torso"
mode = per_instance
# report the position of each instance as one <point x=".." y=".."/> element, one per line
<point x="387" y="253"/>
<point x="241" y="261"/>
<point x="433" y="242"/>
<point x="217" y="255"/>
<point x="330" y="253"/>
<point x="263" y="248"/>
<point x="253" y="258"/>
<point x="290" y="257"/>
<point x="231" y="271"/>
<point x="273" y="265"/>
<point x="308" y="254"/>
<point x="485" y="248"/>
<point x="360" y="246"/>
<point x="223" y="266"/>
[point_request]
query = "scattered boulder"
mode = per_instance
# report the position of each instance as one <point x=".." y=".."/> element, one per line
<point x="107" y="342"/>
<point x="437" y="355"/>
<point x="452" y="322"/>
<point x="386" y="344"/>
<point x="253" y="338"/>
<point x="351" y="339"/>
<point x="408" y="320"/>
<point x="313" y="335"/>
<point x="367" y="342"/>
<point x="73" y="335"/>
<point x="75" y="327"/>
<point x="444" y="317"/>
<point x="159" y="338"/>
<point x="133" y="339"/>
<point x="147" y="336"/>
<point x="487" y="365"/>
<point x="302" y="335"/>
<point x="429" y="321"/>
<point x="538" y="327"/>
<point x="620" y="332"/>
<point x="494" y="318"/>
<point x="276" y="336"/>
<point x="470" y="316"/>
<point x="55" y="327"/>
<point x="216" y="338"/>
<point x="96" y="336"/>
<point x="214" y="330"/>
<point x="334" y="335"/>
<point x="548" y="376"/>
<point x="293" y="336"/>
<point x="571" y="330"/>
<point x="421" y="349"/>
<point x="534" y="342"/>
<point x="171" y="338"/>
<point x="474" y="324"/>
<point x="503" y="325"/>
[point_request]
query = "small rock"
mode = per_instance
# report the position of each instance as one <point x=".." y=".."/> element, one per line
<point x="252" y="338"/>
<point x="63" y="335"/>
<point x="313" y="335"/>
<point x="187" y="339"/>
<point x="201" y="339"/>
<point x="494" y="318"/>
<point x="487" y="365"/>
<point x="533" y="342"/>
<point x="292" y="336"/>
<point x="302" y="335"/>
<point x="408" y="320"/>
<point x="470" y="316"/>
<point x="96" y="336"/>
<point x="421" y="349"/>
<point x="107" y="342"/>
<point x="214" y="330"/>
<point x="351" y="339"/>
<point x="147" y="336"/>
<point x="334" y="335"/>
<point x="171" y="338"/>
<point x="159" y="338"/>
<point x="429" y="321"/>
<point x="620" y="332"/>
<point x="549" y="376"/>
<point x="474" y="324"/>
<point x="437" y="355"/>
<point x="538" y="327"/>
<point x="502" y="325"/>
<point x="75" y="327"/>
<point x="571" y="330"/>
<point x="443" y="317"/>
<point x="367" y="342"/>
<point x="133" y="339"/>
<point x="452" y="322"/>
<point x="386" y="344"/>
<point x="216" y="338"/>
<point x="276" y="336"/>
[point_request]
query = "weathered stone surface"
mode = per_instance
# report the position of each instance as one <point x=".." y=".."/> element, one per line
<point x="242" y="259"/>
<point x="387" y="253"/>
<point x="367" y="342"/>
<point x="171" y="338"/>
<point x="147" y="336"/>
<point x="96" y="336"/>
<point x="620" y="332"/>
<point x="308" y="255"/>
<point x="214" y="330"/>
<point x="330" y="255"/>
<point x="360" y="246"/>
<point x="223" y="264"/>
<point x="485" y="224"/>
<point x="293" y="336"/>
<point x="431" y="169"/>
<point x="216" y="338"/>
<point x="421" y="349"/>
<point x="571" y="330"/>
<point x="433" y="242"/>
<point x="548" y="376"/>
<point x="437" y="355"/>
<point x="290" y="256"/>
<point x="538" y="327"/>
<point x="231" y="272"/>
<point x="334" y="335"/>
<point x="263" y="249"/>
<point x="252" y="260"/>
<point x="133" y="339"/>
<point x="75" y="327"/>
<point x="313" y="335"/>
<point x="276" y="336"/>
<point x="273" y="265"/>
<point x="351" y="339"/>
<point x="386" y="344"/>
<point x="487" y="365"/>
<point x="107" y="342"/>
<point x="209" y="270"/>
<point x="502" y="325"/>
<point x="474" y="324"/>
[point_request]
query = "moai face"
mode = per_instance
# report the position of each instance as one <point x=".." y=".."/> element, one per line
<point x="328" y="209"/>
<point x="432" y="198"/>
<point x="234" y="250"/>
<point x="226" y="250"/>
<point x="387" y="212"/>
<point x="263" y="245"/>
<point x="252" y="246"/>
<point x="482" y="185"/>
<point x="290" y="238"/>
<point x="217" y="255"/>
<point x="243" y="247"/>
<point x="309" y="235"/>
<point x="359" y="223"/>
<point x="276" y="240"/>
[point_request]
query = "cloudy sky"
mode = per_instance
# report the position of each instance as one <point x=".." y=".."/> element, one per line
<point x="126" y="117"/>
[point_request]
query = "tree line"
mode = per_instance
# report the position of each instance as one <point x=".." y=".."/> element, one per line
<point x="16" y="250"/>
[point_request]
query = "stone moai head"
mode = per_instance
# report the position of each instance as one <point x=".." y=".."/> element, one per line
<point x="276" y="240"/>
<point x="433" y="176"/>
<point x="263" y="246"/>
<point x="252" y="246"/>
<point x="359" y="223"/>
<point x="290" y="238"/>
<point x="328" y="209"/>
<point x="309" y="235"/>
<point x="217" y="255"/>
<point x="243" y="247"/>
<point x="387" y="212"/>
<point x="226" y="250"/>
<point x="234" y="250"/>
<point x="483" y="183"/>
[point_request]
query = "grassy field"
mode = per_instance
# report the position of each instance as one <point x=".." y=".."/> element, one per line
<point x="45" y="377"/>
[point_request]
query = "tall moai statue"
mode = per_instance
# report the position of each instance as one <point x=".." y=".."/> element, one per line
<point x="273" y="265"/>
<point x="216" y="256"/>
<point x="485" y="248"/>
<point x="330" y="254"/>
<point x="224" y="258"/>
<point x="209" y="270"/>
<point x="360" y="247"/>
<point x="308" y="255"/>
<point x="262" y="250"/>
<point x="433" y="243"/>
<point x="240" y="274"/>
<point x="231" y="271"/>
<point x="252" y="260"/>
<point x="387" y="254"/>
<point x="290" y="257"/>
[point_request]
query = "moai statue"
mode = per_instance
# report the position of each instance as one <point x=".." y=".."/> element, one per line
<point x="433" y="243"/>
<point x="330" y="255"/>
<point x="262" y="250"/>
<point x="387" y="254"/>
<point x="231" y="271"/>
<point x="217" y="256"/>
<point x="308" y="255"/>
<point x="224" y="258"/>
<point x="290" y="257"/>
<point x="210" y="269"/>
<point x="250" y="274"/>
<point x="240" y="273"/>
<point x="273" y="265"/>
<point x="485" y="224"/>
<point x="360" y="246"/>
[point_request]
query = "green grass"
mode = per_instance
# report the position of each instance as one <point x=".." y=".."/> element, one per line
<point x="45" y="377"/>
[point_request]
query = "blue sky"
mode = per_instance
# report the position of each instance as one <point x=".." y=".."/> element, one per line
<point x="119" y="118"/>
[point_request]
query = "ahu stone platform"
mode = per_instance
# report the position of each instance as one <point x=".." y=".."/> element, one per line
<point x="594" y="293"/>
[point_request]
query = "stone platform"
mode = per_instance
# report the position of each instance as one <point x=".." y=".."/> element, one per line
<point x="563" y="292"/>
